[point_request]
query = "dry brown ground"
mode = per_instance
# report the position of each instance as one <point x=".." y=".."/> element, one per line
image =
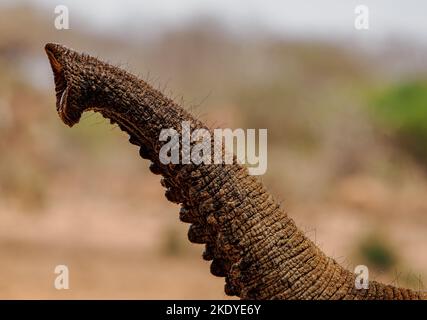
<point x="116" y="250"/>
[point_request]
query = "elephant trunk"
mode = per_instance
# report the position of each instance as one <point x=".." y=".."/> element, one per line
<point x="249" y="238"/>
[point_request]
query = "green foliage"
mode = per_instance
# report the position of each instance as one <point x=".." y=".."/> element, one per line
<point x="402" y="111"/>
<point x="376" y="253"/>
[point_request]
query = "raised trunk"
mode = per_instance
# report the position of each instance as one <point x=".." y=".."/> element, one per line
<point x="249" y="238"/>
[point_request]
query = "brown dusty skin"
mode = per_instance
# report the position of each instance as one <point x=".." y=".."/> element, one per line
<point x="249" y="238"/>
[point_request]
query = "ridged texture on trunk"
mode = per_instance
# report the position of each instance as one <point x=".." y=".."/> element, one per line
<point x="249" y="238"/>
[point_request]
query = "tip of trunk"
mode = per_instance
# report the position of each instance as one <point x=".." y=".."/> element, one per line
<point x="57" y="58"/>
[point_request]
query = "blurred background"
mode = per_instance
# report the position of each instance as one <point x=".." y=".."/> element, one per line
<point x="346" y="112"/>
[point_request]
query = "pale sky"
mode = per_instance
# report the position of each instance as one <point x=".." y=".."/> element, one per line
<point x="308" y="18"/>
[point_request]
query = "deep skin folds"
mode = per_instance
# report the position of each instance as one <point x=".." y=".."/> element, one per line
<point x="248" y="237"/>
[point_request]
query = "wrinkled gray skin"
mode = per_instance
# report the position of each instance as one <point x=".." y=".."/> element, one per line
<point x="248" y="237"/>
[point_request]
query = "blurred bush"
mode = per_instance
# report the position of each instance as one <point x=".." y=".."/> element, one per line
<point x="174" y="241"/>
<point x="376" y="252"/>
<point x="401" y="110"/>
